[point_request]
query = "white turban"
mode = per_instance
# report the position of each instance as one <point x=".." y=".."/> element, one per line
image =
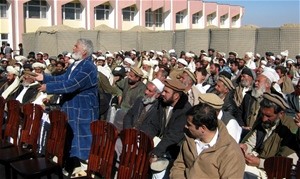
<point x="12" y="70"/>
<point x="271" y="74"/>
<point x="129" y="60"/>
<point x="285" y="53"/>
<point x="182" y="61"/>
<point x="159" y="85"/>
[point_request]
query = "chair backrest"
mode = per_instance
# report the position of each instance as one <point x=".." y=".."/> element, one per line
<point x="278" y="167"/>
<point x="57" y="135"/>
<point x="102" y="148"/>
<point x="31" y="129"/>
<point x="134" y="159"/>
<point x="13" y="120"/>
<point x="2" y="106"/>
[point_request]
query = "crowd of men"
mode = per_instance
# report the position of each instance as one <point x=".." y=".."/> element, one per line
<point x="210" y="114"/>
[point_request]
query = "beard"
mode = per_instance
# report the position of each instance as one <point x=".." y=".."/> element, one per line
<point x="245" y="84"/>
<point x="25" y="83"/>
<point x="168" y="102"/>
<point x="148" y="100"/>
<point x="77" y="56"/>
<point x="131" y="82"/>
<point x="269" y="124"/>
<point x="258" y="92"/>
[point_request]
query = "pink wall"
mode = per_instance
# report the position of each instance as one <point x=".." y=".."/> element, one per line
<point x="156" y="4"/>
<point x="234" y="10"/>
<point x="93" y="4"/>
<point x="223" y="9"/>
<point x="195" y="7"/>
<point x="210" y="8"/>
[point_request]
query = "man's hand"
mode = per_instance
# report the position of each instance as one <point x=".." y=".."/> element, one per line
<point x="244" y="148"/>
<point x="39" y="77"/>
<point x="42" y="88"/>
<point x="252" y="160"/>
<point x="153" y="158"/>
<point x="297" y="119"/>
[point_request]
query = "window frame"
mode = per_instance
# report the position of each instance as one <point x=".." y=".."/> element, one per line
<point x="71" y="6"/>
<point x="42" y="5"/>
<point x="105" y="8"/>
<point x="131" y="10"/>
<point x="3" y="10"/>
<point x="158" y="17"/>
<point x="179" y="17"/>
<point x="196" y="18"/>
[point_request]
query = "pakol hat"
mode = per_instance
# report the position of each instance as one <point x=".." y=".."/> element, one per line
<point x="137" y="71"/>
<point x="191" y="74"/>
<point x="227" y="82"/>
<point x="276" y="99"/>
<point x="174" y="84"/>
<point x="211" y="99"/>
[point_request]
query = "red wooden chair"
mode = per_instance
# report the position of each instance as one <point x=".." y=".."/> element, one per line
<point x="278" y="167"/>
<point x="12" y="125"/>
<point x="102" y="149"/>
<point x="134" y="159"/>
<point x="37" y="167"/>
<point x="27" y="145"/>
<point x="2" y="106"/>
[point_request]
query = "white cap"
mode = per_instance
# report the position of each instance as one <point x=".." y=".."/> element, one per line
<point x="174" y="58"/>
<point x="278" y="56"/>
<point x="12" y="70"/>
<point x="159" y="85"/>
<point x="249" y="54"/>
<point x="40" y="53"/>
<point x="69" y="55"/>
<point x="264" y="62"/>
<point x="290" y="61"/>
<point x="133" y="52"/>
<point x="154" y="62"/>
<point x="285" y="53"/>
<point x="272" y="57"/>
<point x="20" y="63"/>
<point x="129" y="60"/>
<point x="208" y="59"/>
<point x="159" y="53"/>
<point x="152" y="51"/>
<point x="258" y="55"/>
<point x="271" y="74"/>
<point x="147" y="62"/>
<point x="20" y="58"/>
<point x="109" y="55"/>
<point x="101" y="58"/>
<point x="94" y="56"/>
<point x="171" y="51"/>
<point x="182" y="61"/>
<point x="189" y="55"/>
<point x="38" y="65"/>
<point x="222" y="54"/>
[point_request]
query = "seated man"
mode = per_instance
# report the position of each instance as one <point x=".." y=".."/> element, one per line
<point x="145" y="108"/>
<point x="208" y="151"/>
<point x="230" y="122"/>
<point x="271" y="135"/>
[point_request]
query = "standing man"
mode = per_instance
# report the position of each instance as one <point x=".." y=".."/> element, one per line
<point x="78" y="87"/>
<point x="208" y="151"/>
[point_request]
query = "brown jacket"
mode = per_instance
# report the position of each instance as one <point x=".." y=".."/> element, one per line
<point x="223" y="160"/>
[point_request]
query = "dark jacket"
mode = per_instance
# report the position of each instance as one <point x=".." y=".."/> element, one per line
<point x="131" y="118"/>
<point x="229" y="104"/>
<point x="172" y="134"/>
<point x="245" y="109"/>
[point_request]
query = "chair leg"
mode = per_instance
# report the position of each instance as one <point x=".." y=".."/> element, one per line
<point x="7" y="171"/>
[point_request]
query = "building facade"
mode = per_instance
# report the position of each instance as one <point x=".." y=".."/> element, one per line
<point x="24" y="16"/>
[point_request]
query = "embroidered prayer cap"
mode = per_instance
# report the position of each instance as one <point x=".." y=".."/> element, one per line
<point x="276" y="99"/>
<point x="191" y="74"/>
<point x="38" y="65"/>
<point x="182" y="61"/>
<point x="174" y="84"/>
<point x="158" y="84"/>
<point x="137" y="71"/>
<point x="227" y="82"/>
<point x="211" y="99"/>
<point x="12" y="70"/>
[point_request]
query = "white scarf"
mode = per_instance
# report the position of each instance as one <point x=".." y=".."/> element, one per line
<point x="11" y="88"/>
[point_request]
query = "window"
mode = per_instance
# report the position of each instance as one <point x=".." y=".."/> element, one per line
<point x="158" y="17"/>
<point x="128" y="13"/>
<point x="179" y="17"/>
<point x="3" y="8"/>
<point x="223" y="19"/>
<point x="4" y="38"/>
<point x="72" y="11"/>
<point x="102" y="12"/>
<point x="196" y="18"/>
<point x="210" y="19"/>
<point x="35" y="9"/>
<point x="235" y="19"/>
<point x="149" y="18"/>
